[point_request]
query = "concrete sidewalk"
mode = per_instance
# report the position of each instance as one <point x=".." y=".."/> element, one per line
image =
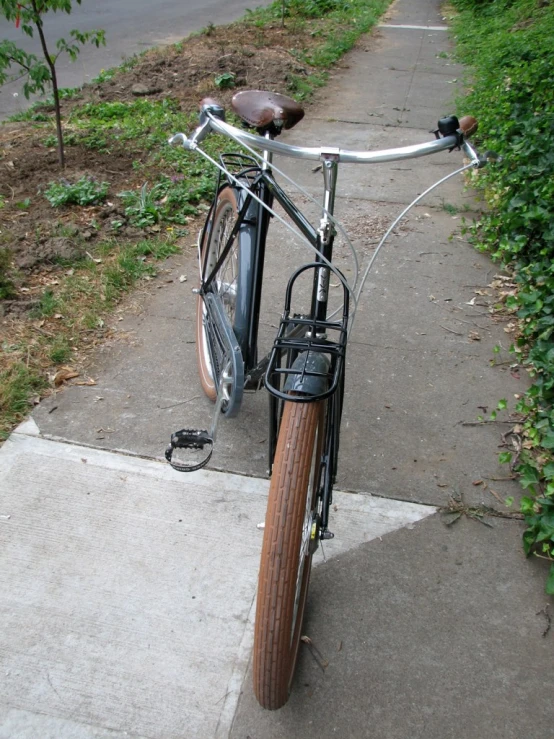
<point x="129" y="588"/>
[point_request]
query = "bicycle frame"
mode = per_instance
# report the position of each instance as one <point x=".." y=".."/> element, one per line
<point x="304" y="364"/>
<point x="268" y="191"/>
<point x="251" y="229"/>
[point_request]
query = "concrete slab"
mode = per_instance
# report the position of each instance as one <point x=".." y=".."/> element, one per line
<point x="128" y="590"/>
<point x="434" y="632"/>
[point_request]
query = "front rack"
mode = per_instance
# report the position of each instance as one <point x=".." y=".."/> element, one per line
<point x="307" y="359"/>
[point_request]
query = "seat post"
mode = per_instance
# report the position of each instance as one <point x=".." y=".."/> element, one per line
<point x="267" y="155"/>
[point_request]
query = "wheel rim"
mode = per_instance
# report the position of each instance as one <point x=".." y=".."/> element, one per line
<point x="304" y="551"/>
<point x="224" y="285"/>
<point x="309" y="527"/>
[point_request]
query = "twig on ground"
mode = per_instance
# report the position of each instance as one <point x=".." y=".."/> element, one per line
<point x="451" y="330"/>
<point x="546" y="613"/>
<point x="316" y="654"/>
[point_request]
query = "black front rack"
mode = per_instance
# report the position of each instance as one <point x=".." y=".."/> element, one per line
<point x="307" y="360"/>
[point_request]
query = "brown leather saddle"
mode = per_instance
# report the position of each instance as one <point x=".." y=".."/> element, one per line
<point x="267" y="111"/>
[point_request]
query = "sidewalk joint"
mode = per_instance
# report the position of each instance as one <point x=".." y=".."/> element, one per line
<point x="413" y="28"/>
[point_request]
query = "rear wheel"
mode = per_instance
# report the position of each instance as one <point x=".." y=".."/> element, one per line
<point x="224" y="283"/>
<point x="290" y="538"/>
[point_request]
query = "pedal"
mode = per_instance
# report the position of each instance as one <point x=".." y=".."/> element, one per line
<point x="196" y="442"/>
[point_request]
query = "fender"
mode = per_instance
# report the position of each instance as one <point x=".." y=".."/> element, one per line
<point x="311" y="378"/>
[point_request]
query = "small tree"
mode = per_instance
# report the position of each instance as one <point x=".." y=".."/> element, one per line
<point x="40" y="74"/>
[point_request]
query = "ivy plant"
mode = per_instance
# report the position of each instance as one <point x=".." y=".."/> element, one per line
<point x="508" y="46"/>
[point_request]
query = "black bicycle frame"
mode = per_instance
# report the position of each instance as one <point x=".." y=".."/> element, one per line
<point x="261" y="183"/>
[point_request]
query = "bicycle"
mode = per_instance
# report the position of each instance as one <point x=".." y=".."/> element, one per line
<point x="304" y="371"/>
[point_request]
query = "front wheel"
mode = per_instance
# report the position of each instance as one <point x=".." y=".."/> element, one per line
<point x="290" y="537"/>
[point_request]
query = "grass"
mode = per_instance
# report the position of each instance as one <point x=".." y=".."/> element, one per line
<point x="66" y="313"/>
<point x="18" y="384"/>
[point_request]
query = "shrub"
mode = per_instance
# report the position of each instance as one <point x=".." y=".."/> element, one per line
<point x="509" y="45"/>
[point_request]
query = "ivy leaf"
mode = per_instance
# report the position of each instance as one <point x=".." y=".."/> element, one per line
<point x="504" y="458"/>
<point x="548" y="470"/>
<point x="550" y="581"/>
<point x="502" y="404"/>
<point x="528" y="541"/>
<point x="527" y="506"/>
<point x="529" y="476"/>
<point x="547" y="440"/>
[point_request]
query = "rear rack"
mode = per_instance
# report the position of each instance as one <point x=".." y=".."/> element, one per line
<point x="240" y="166"/>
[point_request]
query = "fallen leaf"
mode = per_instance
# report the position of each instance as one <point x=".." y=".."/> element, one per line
<point x="450" y="518"/>
<point x="89" y="255"/>
<point x="64" y="374"/>
<point x="474" y="336"/>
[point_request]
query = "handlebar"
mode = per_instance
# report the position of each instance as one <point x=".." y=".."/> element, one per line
<point x="455" y="138"/>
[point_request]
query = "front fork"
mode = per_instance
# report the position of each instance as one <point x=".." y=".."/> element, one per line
<point x="320" y="296"/>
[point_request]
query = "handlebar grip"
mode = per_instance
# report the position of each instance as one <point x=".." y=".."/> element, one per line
<point x="468" y="125"/>
<point x="213" y="107"/>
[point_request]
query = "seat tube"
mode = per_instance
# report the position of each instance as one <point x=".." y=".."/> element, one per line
<point x="325" y="234"/>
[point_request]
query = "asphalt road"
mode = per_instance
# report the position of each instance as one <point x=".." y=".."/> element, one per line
<point x="131" y="26"/>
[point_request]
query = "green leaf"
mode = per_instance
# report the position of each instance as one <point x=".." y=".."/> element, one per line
<point x="547" y="440"/>
<point x="527" y="506"/>
<point x="528" y="541"/>
<point x="502" y="405"/>
<point x="550" y="581"/>
<point x="529" y="476"/>
<point x="504" y="457"/>
<point x="548" y="470"/>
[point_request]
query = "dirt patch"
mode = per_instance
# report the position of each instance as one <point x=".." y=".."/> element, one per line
<point x="34" y="231"/>
<point x="256" y="57"/>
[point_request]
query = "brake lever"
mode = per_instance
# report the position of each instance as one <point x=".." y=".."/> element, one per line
<point x="197" y="137"/>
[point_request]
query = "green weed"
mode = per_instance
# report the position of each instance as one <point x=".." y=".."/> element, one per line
<point x="7" y="287"/>
<point x="60" y="350"/>
<point x="18" y="383"/>
<point x="225" y="81"/>
<point x="85" y="191"/>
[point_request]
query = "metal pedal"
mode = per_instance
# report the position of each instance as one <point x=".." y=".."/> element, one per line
<point x="192" y="439"/>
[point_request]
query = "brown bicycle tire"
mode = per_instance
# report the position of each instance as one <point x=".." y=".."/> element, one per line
<point x="225" y="200"/>
<point x="276" y="631"/>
